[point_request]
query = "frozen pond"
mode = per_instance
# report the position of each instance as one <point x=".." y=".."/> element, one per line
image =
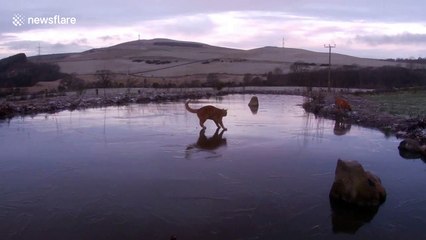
<point x="147" y="172"/>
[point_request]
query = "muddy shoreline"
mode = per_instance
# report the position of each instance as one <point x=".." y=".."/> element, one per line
<point x="366" y="113"/>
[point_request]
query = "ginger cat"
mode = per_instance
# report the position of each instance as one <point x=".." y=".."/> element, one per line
<point x="342" y="104"/>
<point x="208" y="112"/>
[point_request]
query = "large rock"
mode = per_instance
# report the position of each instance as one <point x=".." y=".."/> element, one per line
<point x="347" y="218"/>
<point x="6" y="110"/>
<point x="353" y="185"/>
<point x="412" y="146"/>
<point x="254" y="101"/>
<point x="254" y="104"/>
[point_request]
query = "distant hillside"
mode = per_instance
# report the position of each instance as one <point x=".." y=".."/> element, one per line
<point x="49" y="57"/>
<point x="168" y="58"/>
<point x="170" y="63"/>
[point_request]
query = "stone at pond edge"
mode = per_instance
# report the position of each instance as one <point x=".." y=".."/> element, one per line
<point x="348" y="218"/>
<point x="254" y="101"/>
<point x="353" y="185"/>
<point x="412" y="146"/>
<point x="6" y="110"/>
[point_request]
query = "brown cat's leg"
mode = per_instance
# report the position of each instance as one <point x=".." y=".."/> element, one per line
<point x="216" y="134"/>
<point x="221" y="123"/>
<point x="217" y="125"/>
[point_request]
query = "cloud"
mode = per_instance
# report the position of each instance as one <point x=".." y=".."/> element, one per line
<point x="107" y="38"/>
<point x="19" y="45"/>
<point x="354" y="25"/>
<point x="398" y="39"/>
<point x="65" y="48"/>
<point x="109" y="13"/>
<point x="187" y="25"/>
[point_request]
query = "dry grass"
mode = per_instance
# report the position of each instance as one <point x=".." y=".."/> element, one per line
<point x="410" y="103"/>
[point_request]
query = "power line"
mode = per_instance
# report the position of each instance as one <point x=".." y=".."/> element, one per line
<point x="329" y="46"/>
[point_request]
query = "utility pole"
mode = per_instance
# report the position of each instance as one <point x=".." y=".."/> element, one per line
<point x="329" y="46"/>
<point x="283" y="42"/>
<point x="38" y="50"/>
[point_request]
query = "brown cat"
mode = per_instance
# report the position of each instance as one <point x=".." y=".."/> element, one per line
<point x="209" y="112"/>
<point x="342" y="104"/>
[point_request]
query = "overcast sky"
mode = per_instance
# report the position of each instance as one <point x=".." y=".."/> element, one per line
<point x="373" y="28"/>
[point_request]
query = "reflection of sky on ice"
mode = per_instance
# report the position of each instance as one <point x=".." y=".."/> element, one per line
<point x="144" y="164"/>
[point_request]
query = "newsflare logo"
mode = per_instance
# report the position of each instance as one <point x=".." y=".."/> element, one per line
<point x="20" y="20"/>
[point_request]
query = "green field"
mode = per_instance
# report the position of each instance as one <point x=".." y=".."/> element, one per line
<point x="410" y="103"/>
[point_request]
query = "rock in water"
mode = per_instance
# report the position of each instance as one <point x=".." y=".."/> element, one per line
<point x="412" y="146"/>
<point x="6" y="110"/>
<point x="349" y="218"/>
<point x="254" y="105"/>
<point x="353" y="185"/>
<point x="254" y="101"/>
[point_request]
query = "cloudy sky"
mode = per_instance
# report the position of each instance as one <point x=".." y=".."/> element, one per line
<point x="364" y="28"/>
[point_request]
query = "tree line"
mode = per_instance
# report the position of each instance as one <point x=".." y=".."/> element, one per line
<point x="17" y="71"/>
<point x="352" y="76"/>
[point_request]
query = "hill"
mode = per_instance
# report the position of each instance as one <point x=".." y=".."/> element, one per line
<point x="168" y="58"/>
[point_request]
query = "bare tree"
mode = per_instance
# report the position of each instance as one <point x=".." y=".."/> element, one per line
<point x="277" y="71"/>
<point x="104" y="78"/>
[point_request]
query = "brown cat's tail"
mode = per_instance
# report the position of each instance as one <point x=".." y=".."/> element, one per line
<point x="188" y="108"/>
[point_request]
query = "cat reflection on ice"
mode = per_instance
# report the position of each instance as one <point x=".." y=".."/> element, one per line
<point x="207" y="144"/>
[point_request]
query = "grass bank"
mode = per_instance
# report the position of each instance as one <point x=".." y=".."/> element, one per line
<point x="407" y="103"/>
